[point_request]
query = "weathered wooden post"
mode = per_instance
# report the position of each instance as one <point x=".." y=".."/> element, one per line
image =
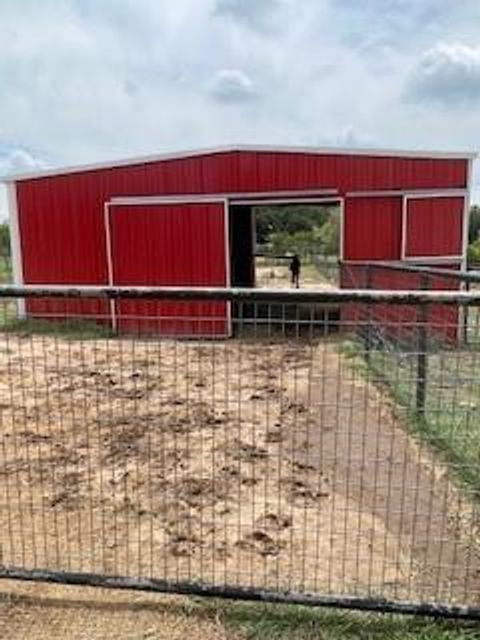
<point x="422" y="355"/>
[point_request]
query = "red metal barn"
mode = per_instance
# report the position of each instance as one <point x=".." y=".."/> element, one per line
<point x="185" y="219"/>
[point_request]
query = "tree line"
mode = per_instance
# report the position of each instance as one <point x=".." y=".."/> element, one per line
<point x="474" y="236"/>
<point x="301" y="229"/>
<point x="4" y="240"/>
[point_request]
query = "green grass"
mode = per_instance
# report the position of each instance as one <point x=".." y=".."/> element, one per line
<point x="73" y="328"/>
<point x="282" y="622"/>
<point x="451" y="422"/>
<point x="5" y="270"/>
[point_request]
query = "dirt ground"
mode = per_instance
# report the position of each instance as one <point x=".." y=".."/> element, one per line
<point x="40" y="612"/>
<point x="270" y="464"/>
<point x="277" y="276"/>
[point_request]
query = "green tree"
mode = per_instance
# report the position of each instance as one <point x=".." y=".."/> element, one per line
<point x="4" y="239"/>
<point x="474" y="227"/>
<point x="288" y="219"/>
<point x="328" y="236"/>
<point x="474" y="252"/>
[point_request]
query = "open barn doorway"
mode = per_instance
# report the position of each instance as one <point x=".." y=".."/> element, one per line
<point x="265" y="236"/>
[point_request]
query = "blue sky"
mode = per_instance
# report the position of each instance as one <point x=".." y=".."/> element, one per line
<point x="88" y="80"/>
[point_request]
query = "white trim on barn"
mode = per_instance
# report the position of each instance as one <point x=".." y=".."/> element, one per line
<point x="228" y="274"/>
<point x="403" y="248"/>
<point x="296" y="197"/>
<point x="421" y="193"/>
<point x="463" y="313"/>
<point x="299" y="199"/>
<point x="466" y="213"/>
<point x="108" y="243"/>
<point x="16" y="245"/>
<point x="264" y="197"/>
<point x="389" y="153"/>
<point x="341" y="231"/>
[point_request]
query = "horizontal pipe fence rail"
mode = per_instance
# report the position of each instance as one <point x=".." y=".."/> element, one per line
<point x="400" y="275"/>
<point x="296" y="446"/>
<point x="452" y="274"/>
<point x="333" y="296"/>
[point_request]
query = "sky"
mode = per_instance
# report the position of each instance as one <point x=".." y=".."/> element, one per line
<point x="90" y="80"/>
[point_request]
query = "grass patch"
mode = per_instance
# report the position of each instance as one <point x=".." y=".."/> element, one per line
<point x="71" y="328"/>
<point x="451" y="422"/>
<point x="282" y="622"/>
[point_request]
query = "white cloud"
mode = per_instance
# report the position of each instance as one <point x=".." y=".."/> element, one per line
<point x="256" y="14"/>
<point x="232" y="85"/>
<point x="348" y="137"/>
<point x="447" y="74"/>
<point x="84" y="81"/>
<point x="18" y="160"/>
<point x="381" y="28"/>
<point x="14" y="161"/>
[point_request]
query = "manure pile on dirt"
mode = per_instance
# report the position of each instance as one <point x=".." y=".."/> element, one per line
<point x="226" y="462"/>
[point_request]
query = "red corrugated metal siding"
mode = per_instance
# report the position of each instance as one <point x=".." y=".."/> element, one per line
<point x="61" y="217"/>
<point x="171" y="245"/>
<point x="434" y="227"/>
<point x="56" y="309"/>
<point x="62" y="232"/>
<point x="400" y="319"/>
<point x="372" y="229"/>
<point x="62" y="241"/>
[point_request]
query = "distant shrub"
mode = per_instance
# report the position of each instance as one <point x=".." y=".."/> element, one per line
<point x="474" y="252"/>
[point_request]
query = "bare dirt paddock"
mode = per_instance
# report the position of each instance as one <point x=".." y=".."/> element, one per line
<point x="269" y="464"/>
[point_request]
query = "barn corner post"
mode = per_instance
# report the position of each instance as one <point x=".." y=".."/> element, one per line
<point x="15" y="244"/>
<point x="464" y="310"/>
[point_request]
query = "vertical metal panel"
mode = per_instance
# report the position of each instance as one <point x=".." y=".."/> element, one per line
<point x="62" y="235"/>
<point x="62" y="240"/>
<point x="434" y="227"/>
<point x="170" y="245"/>
<point x="372" y="228"/>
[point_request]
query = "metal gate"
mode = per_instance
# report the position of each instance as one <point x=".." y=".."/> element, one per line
<point x="316" y="456"/>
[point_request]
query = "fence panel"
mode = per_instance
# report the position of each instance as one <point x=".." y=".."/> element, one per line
<point x="311" y="457"/>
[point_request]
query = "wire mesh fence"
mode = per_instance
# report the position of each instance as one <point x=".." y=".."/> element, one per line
<point x="326" y="451"/>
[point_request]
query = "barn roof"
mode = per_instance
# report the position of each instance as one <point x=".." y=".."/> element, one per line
<point x="252" y="148"/>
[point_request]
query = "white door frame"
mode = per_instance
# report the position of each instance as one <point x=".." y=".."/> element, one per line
<point x="430" y="196"/>
<point x="16" y="245"/>
<point x="334" y="199"/>
<point x="404" y="196"/>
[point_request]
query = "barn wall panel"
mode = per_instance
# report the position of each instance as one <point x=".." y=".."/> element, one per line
<point x="400" y="319"/>
<point x="170" y="245"/>
<point x="372" y="229"/>
<point x="434" y="227"/>
<point x="62" y="242"/>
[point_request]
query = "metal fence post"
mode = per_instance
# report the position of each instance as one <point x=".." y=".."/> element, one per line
<point x="368" y="328"/>
<point x="422" y="356"/>
<point x="465" y="311"/>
